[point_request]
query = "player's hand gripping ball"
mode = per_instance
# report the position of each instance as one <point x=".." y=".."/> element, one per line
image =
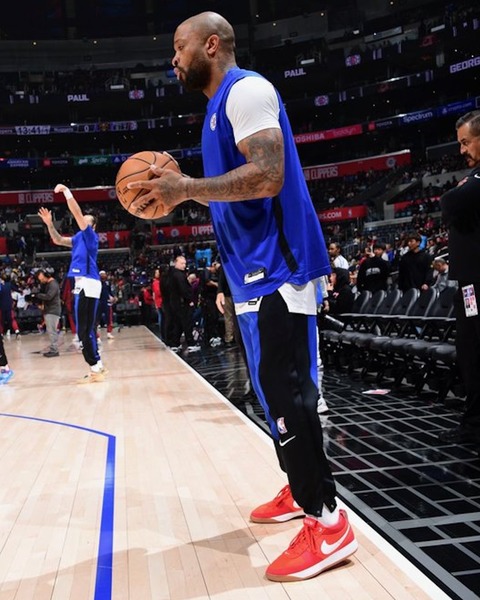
<point x="135" y="168"/>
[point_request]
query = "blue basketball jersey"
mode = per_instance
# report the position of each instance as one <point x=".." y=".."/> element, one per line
<point x="266" y="242"/>
<point x="84" y="254"/>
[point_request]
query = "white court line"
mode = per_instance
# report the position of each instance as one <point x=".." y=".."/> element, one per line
<point x="413" y="572"/>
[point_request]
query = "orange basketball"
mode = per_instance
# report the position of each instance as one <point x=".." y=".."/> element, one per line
<point x="135" y="168"/>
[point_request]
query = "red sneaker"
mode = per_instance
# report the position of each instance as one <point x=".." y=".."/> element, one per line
<point x="282" y="508"/>
<point x="315" y="549"/>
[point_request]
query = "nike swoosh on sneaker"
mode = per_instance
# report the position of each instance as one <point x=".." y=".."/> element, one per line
<point x="477" y="175"/>
<point x="327" y="548"/>
<point x="285" y="442"/>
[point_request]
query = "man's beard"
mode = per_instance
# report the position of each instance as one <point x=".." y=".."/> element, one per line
<point x="197" y="77"/>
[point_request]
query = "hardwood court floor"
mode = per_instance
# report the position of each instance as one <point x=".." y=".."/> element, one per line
<point x="420" y="494"/>
<point x="140" y="488"/>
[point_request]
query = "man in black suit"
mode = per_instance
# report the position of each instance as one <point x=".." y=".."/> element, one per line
<point x="461" y="213"/>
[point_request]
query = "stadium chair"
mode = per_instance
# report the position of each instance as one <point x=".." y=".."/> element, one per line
<point x="361" y="328"/>
<point x="383" y="349"/>
<point x="381" y="329"/>
<point x="329" y="336"/>
<point x="29" y="319"/>
<point x="436" y="330"/>
<point x="432" y="360"/>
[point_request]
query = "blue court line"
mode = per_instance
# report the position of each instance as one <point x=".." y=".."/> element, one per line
<point x="103" y="580"/>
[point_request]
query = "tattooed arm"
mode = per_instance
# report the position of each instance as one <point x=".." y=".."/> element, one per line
<point x="260" y="177"/>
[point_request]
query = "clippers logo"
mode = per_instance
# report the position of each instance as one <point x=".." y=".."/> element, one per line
<point x="213" y="122"/>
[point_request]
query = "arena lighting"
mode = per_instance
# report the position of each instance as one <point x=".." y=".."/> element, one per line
<point x="381" y="35"/>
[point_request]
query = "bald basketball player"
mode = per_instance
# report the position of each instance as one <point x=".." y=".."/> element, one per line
<point x="273" y="252"/>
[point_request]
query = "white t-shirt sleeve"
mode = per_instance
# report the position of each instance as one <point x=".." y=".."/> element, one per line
<point x="252" y="105"/>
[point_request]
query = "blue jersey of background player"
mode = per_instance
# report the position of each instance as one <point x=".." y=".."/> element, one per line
<point x="83" y="268"/>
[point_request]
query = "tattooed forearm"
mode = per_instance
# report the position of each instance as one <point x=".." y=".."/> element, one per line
<point x="265" y="150"/>
<point x="260" y="177"/>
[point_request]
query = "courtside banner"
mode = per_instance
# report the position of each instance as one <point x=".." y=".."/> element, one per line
<point x="343" y="214"/>
<point x="382" y="162"/>
<point x="42" y="197"/>
<point x="184" y="231"/>
<point x="328" y="134"/>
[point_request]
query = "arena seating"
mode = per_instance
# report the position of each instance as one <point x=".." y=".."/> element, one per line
<point x="408" y="339"/>
<point x="128" y="314"/>
<point x="29" y="319"/>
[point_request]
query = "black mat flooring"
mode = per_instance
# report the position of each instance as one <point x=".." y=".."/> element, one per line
<point x="421" y="495"/>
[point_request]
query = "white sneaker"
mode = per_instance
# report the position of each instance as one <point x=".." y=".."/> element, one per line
<point x="110" y="336"/>
<point x="195" y="348"/>
<point x="322" y="406"/>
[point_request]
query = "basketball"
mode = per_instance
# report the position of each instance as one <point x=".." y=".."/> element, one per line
<point x="137" y="167"/>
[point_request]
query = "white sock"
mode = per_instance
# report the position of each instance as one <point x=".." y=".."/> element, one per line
<point x="328" y="518"/>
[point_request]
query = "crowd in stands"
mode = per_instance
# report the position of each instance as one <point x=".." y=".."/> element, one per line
<point x="327" y="193"/>
<point x="146" y="243"/>
<point x="131" y="274"/>
<point x="147" y="250"/>
<point x="137" y="288"/>
<point x="456" y="17"/>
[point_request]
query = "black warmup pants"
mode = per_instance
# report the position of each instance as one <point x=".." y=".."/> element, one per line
<point x="467" y="344"/>
<point x="281" y="349"/>
<point x="86" y="317"/>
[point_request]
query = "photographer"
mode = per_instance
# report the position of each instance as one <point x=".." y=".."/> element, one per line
<point x="52" y="307"/>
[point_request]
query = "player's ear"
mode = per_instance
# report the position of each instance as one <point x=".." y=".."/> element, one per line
<point x="212" y="44"/>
